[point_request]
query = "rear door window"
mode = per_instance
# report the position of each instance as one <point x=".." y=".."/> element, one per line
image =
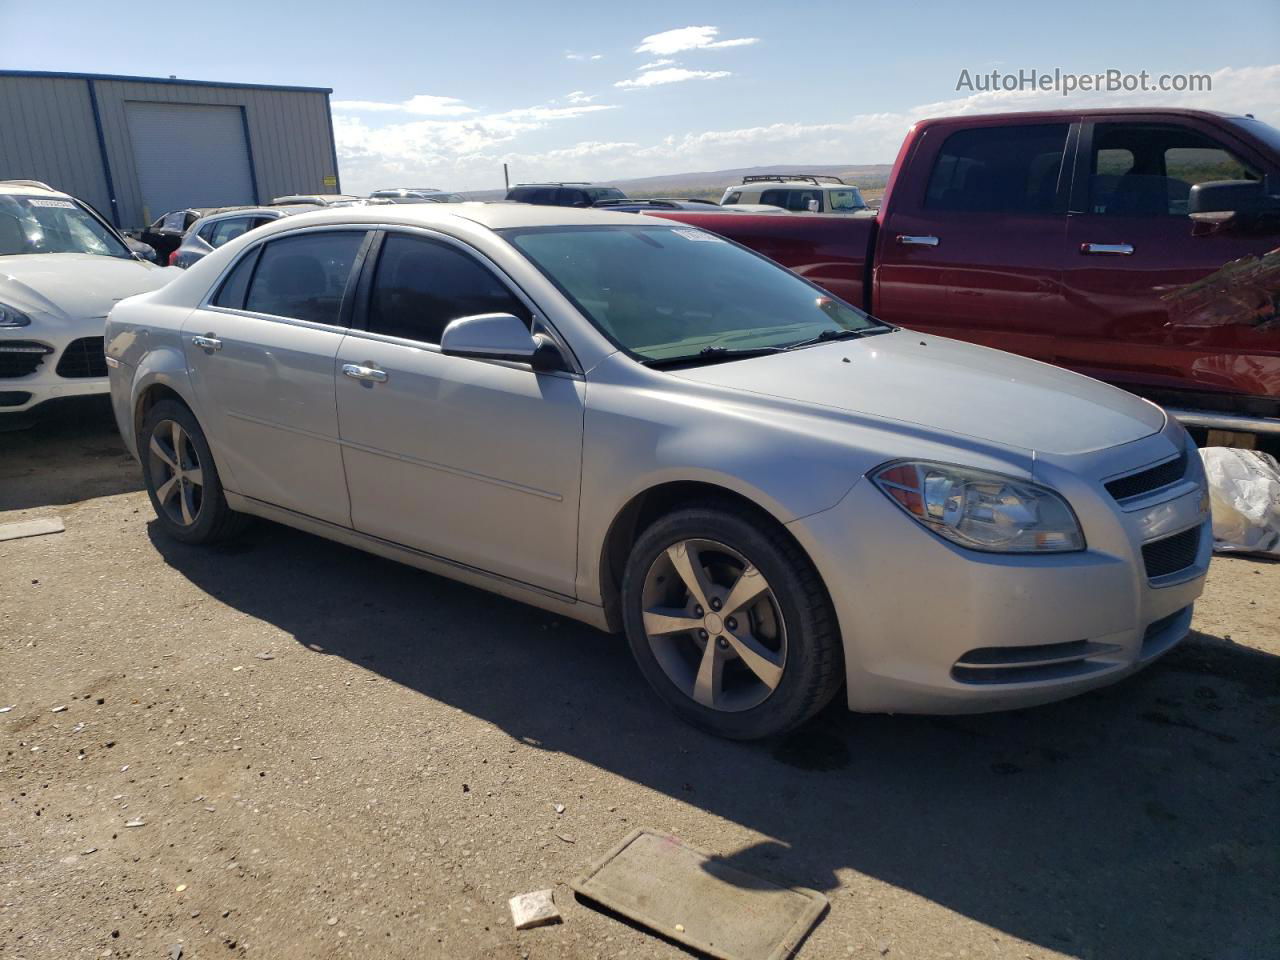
<point x="421" y="285"/>
<point x="305" y="276"/>
<point x="569" y="197"/>
<point x="999" y="170"/>
<point x="224" y="231"/>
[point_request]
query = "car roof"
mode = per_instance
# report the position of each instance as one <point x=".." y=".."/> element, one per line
<point x="280" y="211"/>
<point x="30" y="188"/>
<point x="496" y="215"/>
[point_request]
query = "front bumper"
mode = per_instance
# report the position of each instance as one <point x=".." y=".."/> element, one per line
<point x="929" y="627"/>
<point x="73" y="365"/>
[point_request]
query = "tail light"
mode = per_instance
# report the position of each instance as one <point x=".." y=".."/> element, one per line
<point x="173" y="259"/>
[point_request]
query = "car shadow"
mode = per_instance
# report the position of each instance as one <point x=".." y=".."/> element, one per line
<point x="69" y="453"/>
<point x="1136" y="821"/>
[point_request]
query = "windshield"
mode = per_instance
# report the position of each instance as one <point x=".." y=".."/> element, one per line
<point x="666" y="292"/>
<point x="1263" y="131"/>
<point x="53" y="225"/>
<point x="595" y="194"/>
<point x="849" y="199"/>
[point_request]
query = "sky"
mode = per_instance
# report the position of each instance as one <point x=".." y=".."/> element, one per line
<point x="442" y="94"/>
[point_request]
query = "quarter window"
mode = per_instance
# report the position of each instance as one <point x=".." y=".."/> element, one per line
<point x="999" y="170"/>
<point x="421" y="285"/>
<point x="224" y="231"/>
<point x="233" y="289"/>
<point x="304" y="276"/>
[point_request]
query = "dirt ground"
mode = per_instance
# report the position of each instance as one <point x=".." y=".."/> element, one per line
<point x="331" y="755"/>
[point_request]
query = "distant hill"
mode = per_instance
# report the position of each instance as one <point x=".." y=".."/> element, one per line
<point x="870" y="178"/>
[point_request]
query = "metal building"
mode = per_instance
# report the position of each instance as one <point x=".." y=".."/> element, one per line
<point x="137" y="147"/>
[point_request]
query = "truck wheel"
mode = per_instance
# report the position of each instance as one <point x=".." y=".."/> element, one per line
<point x="182" y="479"/>
<point x="730" y="623"/>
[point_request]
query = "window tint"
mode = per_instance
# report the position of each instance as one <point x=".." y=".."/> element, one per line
<point x="237" y="283"/>
<point x="304" y="276"/>
<point x="421" y="285"/>
<point x="225" y="231"/>
<point x="567" y="197"/>
<point x="205" y="233"/>
<point x="734" y="197"/>
<point x="1148" y="170"/>
<point x="792" y="199"/>
<point x="999" y="169"/>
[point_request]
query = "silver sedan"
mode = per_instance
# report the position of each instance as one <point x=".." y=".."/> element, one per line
<point x="645" y="427"/>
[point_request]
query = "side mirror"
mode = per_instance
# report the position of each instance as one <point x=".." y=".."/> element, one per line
<point x="143" y="251"/>
<point x="812" y="206"/>
<point x="499" y="336"/>
<point x="1220" y="200"/>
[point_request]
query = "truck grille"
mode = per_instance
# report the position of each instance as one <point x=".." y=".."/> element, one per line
<point x="85" y="357"/>
<point x="1153" y="478"/>
<point x="1171" y="554"/>
<point x="21" y="357"/>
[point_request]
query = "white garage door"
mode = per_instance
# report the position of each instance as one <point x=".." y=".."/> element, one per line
<point x="189" y="155"/>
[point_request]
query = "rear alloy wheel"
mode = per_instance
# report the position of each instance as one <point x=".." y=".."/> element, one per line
<point x="182" y="479"/>
<point x="729" y="622"/>
<point x="175" y="467"/>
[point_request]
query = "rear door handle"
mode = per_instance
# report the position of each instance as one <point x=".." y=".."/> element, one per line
<point x="209" y="343"/>
<point x="357" y="372"/>
<point x="909" y="241"/>
<point x="1113" y="249"/>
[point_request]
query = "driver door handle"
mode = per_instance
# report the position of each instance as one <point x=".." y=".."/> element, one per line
<point x="357" y="372"/>
<point x="1114" y="249"/>
<point x="207" y="343"/>
<point x="909" y="241"/>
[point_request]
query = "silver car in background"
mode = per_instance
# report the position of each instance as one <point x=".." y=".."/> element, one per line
<point x="648" y="428"/>
<point x="209" y="233"/>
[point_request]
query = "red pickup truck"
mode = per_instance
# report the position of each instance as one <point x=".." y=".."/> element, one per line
<point x="1105" y="242"/>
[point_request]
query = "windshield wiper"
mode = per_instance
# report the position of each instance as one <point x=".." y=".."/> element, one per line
<point x="710" y="355"/>
<point x="826" y="335"/>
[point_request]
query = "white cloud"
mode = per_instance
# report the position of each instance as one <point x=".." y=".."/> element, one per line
<point x="466" y="153"/>
<point x="423" y="105"/>
<point x="583" y="56"/>
<point x="689" y="38"/>
<point x="579" y="96"/>
<point x="655" y="64"/>
<point x="657" y="78"/>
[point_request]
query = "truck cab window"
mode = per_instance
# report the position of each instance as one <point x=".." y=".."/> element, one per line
<point x="1148" y="170"/>
<point x="999" y="170"/>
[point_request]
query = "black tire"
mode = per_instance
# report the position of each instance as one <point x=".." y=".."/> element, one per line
<point x="212" y="520"/>
<point x="813" y="666"/>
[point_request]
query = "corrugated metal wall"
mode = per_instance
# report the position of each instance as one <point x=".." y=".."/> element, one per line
<point x="47" y="132"/>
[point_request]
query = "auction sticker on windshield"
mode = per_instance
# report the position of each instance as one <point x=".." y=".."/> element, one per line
<point x="699" y="235"/>
<point x="61" y="204"/>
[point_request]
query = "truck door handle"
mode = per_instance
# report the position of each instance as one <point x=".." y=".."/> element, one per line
<point x="209" y="343"/>
<point x="1114" y="249"/>
<point x="357" y="372"/>
<point x="910" y="241"/>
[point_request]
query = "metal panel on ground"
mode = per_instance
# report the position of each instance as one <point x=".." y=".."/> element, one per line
<point x="189" y="155"/>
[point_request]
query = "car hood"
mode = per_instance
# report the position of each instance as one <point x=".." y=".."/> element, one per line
<point x="946" y="385"/>
<point x="74" y="286"/>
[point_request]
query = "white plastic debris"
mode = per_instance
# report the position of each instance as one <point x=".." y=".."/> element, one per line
<point x="1244" y="492"/>
<point x="534" y="909"/>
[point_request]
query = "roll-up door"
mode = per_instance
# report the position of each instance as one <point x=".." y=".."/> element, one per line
<point x="189" y="155"/>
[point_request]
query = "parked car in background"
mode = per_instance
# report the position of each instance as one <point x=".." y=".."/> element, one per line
<point x="416" y="195"/>
<point x="802" y="193"/>
<point x="165" y="234"/>
<point x="317" y="199"/>
<point x="209" y="233"/>
<point x="1141" y="247"/>
<point x="655" y="203"/>
<point x="563" y="194"/>
<point x="62" y="267"/>
<point x="636" y="424"/>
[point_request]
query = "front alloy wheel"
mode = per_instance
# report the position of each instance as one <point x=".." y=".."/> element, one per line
<point x="714" y="626"/>
<point x="177" y="473"/>
<point x="729" y="621"/>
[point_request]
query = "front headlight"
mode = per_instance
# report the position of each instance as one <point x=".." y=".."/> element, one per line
<point x="9" y="317"/>
<point x="981" y="510"/>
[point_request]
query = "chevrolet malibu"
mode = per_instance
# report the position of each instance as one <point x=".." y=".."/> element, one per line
<point x="648" y="428"/>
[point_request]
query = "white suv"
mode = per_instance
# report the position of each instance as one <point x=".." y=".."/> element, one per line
<point x="798" y="192"/>
<point x="62" y="268"/>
